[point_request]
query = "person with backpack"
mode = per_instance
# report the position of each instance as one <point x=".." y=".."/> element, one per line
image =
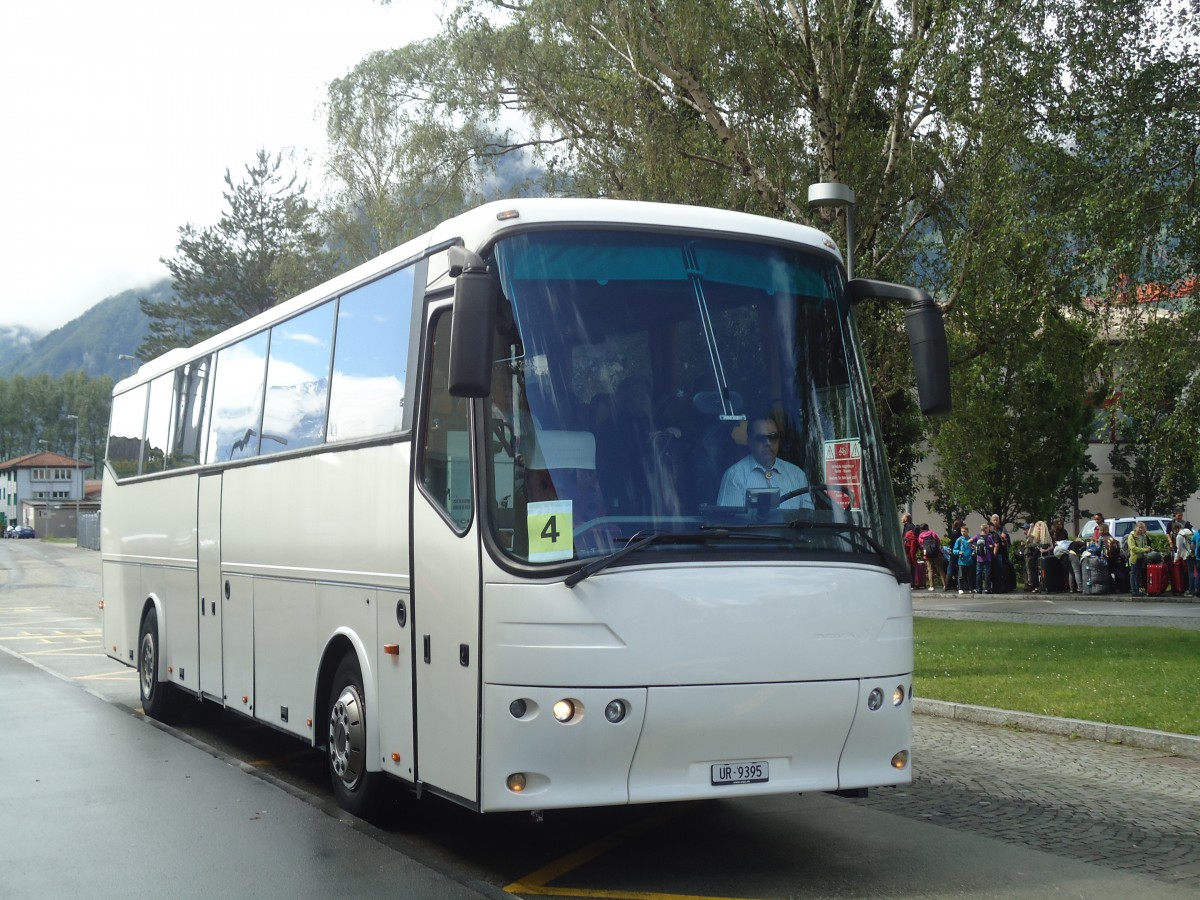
<point x="1185" y="549"/>
<point x="935" y="559"/>
<point x="985" y="548"/>
<point x="964" y="552"/>
<point x="1139" y="546"/>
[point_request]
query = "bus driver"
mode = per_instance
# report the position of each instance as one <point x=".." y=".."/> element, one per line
<point x="762" y="468"/>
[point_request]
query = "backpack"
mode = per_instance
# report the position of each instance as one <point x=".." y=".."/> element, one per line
<point x="931" y="545"/>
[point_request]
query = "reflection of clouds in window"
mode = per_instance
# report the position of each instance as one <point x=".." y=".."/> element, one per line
<point x="367" y="388"/>
<point x="237" y="401"/>
<point x="302" y="338"/>
<point x="297" y="381"/>
<point x="125" y="431"/>
<point x="365" y="406"/>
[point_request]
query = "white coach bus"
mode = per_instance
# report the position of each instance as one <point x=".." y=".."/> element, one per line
<point x="487" y="515"/>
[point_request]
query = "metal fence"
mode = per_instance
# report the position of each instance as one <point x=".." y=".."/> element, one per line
<point x="89" y="531"/>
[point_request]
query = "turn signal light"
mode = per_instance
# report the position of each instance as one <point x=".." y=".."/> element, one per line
<point x="516" y="782"/>
<point x="900" y="760"/>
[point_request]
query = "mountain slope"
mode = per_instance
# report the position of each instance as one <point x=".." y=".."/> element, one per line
<point x="92" y="342"/>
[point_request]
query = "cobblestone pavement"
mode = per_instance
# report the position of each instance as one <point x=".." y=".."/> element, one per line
<point x="1121" y="807"/>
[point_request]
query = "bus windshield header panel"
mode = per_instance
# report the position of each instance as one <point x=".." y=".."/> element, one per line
<point x="706" y="393"/>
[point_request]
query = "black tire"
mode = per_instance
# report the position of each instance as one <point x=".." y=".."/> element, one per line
<point x="357" y="791"/>
<point x="160" y="700"/>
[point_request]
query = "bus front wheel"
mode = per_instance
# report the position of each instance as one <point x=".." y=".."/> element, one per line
<point x="158" y="697"/>
<point x="357" y="791"/>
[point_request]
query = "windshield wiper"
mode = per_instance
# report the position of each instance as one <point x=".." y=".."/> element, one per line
<point x="896" y="566"/>
<point x="635" y="543"/>
<point x="643" y="539"/>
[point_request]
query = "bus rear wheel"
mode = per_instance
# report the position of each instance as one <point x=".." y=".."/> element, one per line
<point x="159" y="700"/>
<point x="357" y="791"/>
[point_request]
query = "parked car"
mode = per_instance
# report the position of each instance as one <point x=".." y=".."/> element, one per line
<point x="1121" y="526"/>
<point x="24" y="531"/>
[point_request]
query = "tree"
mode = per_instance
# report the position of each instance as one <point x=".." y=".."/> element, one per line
<point x="1017" y="437"/>
<point x="988" y="143"/>
<point x="404" y="151"/>
<point x="1157" y="457"/>
<point x="956" y="124"/>
<point x="265" y="248"/>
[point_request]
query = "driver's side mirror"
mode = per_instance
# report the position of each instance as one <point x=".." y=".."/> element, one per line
<point x="476" y="295"/>
<point x="926" y="338"/>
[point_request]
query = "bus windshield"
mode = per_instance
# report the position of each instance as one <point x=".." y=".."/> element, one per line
<point x="704" y="390"/>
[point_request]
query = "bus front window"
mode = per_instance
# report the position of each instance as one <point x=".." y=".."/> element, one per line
<point x="685" y="385"/>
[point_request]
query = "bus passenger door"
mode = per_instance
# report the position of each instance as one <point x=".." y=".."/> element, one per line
<point x="445" y="583"/>
<point x="208" y="573"/>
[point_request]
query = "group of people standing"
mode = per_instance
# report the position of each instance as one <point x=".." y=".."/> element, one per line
<point x="979" y="563"/>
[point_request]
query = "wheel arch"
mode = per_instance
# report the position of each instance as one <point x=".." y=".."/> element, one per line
<point x="341" y="644"/>
<point x="154" y="602"/>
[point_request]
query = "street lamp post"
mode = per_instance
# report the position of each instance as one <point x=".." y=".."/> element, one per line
<point x="78" y="488"/>
<point x="836" y="194"/>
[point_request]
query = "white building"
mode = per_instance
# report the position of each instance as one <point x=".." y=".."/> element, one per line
<point x="44" y="490"/>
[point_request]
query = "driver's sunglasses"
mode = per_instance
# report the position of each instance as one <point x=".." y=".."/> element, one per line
<point x="773" y="437"/>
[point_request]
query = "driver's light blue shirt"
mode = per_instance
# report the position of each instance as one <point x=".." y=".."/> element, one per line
<point x="747" y="473"/>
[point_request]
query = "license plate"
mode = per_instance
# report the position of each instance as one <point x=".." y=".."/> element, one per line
<point x="748" y="771"/>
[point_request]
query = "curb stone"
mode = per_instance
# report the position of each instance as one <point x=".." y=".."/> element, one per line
<point x="1184" y="745"/>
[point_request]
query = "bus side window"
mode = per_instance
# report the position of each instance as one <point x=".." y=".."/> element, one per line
<point x="445" y="466"/>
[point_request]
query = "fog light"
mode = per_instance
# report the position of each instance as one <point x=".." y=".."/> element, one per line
<point x="898" y="695"/>
<point x="615" y="711"/>
<point x="900" y="760"/>
<point x="517" y="709"/>
<point x="516" y="782"/>
<point x="564" y="710"/>
<point x="874" y="699"/>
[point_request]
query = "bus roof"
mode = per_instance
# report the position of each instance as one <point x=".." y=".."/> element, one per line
<point x="482" y="225"/>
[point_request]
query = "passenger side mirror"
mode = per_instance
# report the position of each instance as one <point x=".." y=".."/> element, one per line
<point x="926" y="338"/>
<point x="476" y="294"/>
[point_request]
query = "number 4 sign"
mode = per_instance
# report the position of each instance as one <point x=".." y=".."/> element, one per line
<point x="551" y="530"/>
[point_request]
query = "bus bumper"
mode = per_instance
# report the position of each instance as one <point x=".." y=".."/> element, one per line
<point x="693" y="742"/>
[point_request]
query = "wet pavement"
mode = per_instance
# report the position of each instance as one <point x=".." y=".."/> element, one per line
<point x="98" y="803"/>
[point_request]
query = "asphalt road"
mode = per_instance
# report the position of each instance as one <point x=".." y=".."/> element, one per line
<point x="993" y="812"/>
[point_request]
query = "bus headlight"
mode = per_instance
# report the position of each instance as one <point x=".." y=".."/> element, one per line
<point x="898" y="695"/>
<point x="900" y="760"/>
<point x="874" y="699"/>
<point x="615" y="711"/>
<point x="564" y="710"/>
<point x="517" y="709"/>
<point x="516" y="782"/>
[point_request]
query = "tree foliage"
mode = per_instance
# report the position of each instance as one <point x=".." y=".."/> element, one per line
<point x="1016" y="442"/>
<point x="266" y="248"/>
<point x="33" y="415"/>
<point x="405" y="151"/>
<point x="1012" y="158"/>
<point x="1157" y="454"/>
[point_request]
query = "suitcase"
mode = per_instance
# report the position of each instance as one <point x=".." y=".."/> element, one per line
<point x="1054" y="576"/>
<point x="1004" y="576"/>
<point x="1156" y="578"/>
<point x="919" y="574"/>
<point x="1178" y="572"/>
<point x="1120" y="577"/>
<point x="1095" y="575"/>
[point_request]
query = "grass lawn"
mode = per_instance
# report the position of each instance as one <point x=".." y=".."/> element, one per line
<point x="1144" y="677"/>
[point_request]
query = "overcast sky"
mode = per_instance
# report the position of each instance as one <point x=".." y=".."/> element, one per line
<point x="121" y="116"/>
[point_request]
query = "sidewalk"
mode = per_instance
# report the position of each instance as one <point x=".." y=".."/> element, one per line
<point x="1185" y="745"/>
<point x="99" y="803"/>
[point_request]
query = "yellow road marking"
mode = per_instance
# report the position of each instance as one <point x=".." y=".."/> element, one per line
<point x="537" y="882"/>
<point x="121" y="675"/>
